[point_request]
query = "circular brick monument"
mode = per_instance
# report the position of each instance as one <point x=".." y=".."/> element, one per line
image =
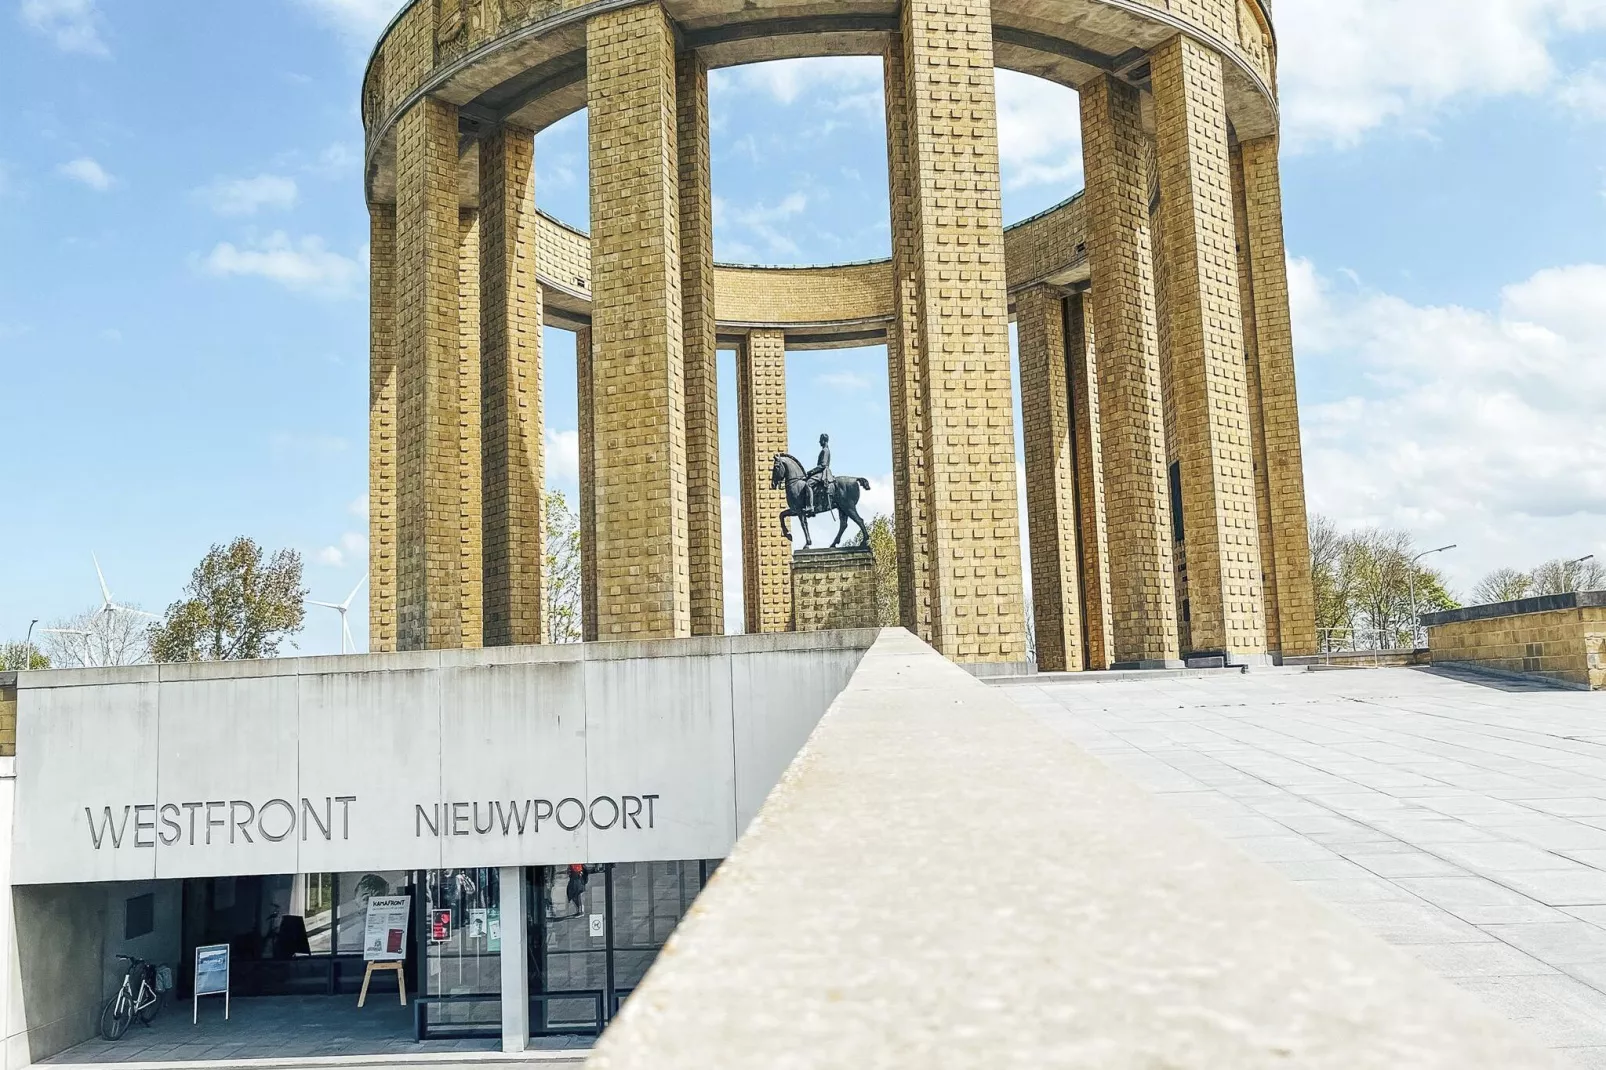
<point x="1165" y="497"/>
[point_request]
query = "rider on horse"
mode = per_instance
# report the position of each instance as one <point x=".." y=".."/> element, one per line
<point x="821" y="480"/>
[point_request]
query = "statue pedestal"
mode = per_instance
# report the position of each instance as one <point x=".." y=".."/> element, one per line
<point x="833" y="589"/>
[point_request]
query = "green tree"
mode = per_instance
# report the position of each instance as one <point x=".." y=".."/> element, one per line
<point x="560" y="578"/>
<point x="1329" y="580"/>
<point x="1502" y="585"/>
<point x="1363" y="582"/>
<point x="884" y="546"/>
<point x="237" y="605"/>
<point x="20" y="655"/>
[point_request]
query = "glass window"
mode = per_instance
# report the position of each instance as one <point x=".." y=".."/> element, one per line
<point x="462" y="938"/>
<point x="649" y="899"/>
<point x="355" y="889"/>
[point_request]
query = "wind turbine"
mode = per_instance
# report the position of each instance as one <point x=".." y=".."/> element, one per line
<point x="107" y="605"/>
<point x="89" y="650"/>
<point x="341" y="607"/>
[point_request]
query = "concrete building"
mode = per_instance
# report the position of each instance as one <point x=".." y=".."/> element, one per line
<point x="1165" y="494"/>
<point x="550" y="813"/>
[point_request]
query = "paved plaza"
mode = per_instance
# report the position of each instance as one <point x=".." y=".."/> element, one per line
<point x="1464" y="821"/>
<point x="288" y="1028"/>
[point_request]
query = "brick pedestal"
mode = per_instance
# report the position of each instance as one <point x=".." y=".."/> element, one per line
<point x="833" y="589"/>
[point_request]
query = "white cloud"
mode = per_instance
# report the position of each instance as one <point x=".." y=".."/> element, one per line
<point x="73" y="25"/>
<point x="1039" y="133"/>
<point x="353" y="547"/>
<point x="1349" y="67"/>
<point x="304" y="265"/>
<point x="1465" y="426"/>
<point x="562" y="456"/>
<point x="1585" y="91"/>
<point x="759" y="223"/>
<point x="245" y="196"/>
<point x="86" y="171"/>
<point x="848" y="78"/>
<point x="358" y="506"/>
<point x="338" y="160"/>
<point x="359" y="19"/>
<point x="843" y="380"/>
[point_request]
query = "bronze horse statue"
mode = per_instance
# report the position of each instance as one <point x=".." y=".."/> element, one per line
<point x="788" y="473"/>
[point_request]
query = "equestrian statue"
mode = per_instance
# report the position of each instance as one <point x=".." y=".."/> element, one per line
<point x="818" y="491"/>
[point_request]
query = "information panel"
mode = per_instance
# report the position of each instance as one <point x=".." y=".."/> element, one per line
<point x="211" y="977"/>
<point x="385" y="934"/>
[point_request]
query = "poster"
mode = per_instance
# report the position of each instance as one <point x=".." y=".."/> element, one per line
<point x="493" y="931"/>
<point x="478" y="923"/>
<point x="440" y="925"/>
<point x="384" y="936"/>
<point x="212" y="970"/>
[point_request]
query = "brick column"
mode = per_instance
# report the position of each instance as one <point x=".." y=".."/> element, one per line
<point x="1092" y="539"/>
<point x="910" y="493"/>
<point x="1285" y="556"/>
<point x="587" y="505"/>
<point x="1207" y="352"/>
<point x="1142" y="593"/>
<point x="471" y="520"/>
<point x="704" y="543"/>
<point x="761" y="427"/>
<point x="513" y="443"/>
<point x="1045" y="405"/>
<point x="382" y="427"/>
<point x="978" y="612"/>
<point x="638" y="401"/>
<point x="429" y="344"/>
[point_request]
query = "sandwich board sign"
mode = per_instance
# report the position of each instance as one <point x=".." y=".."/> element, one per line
<point x="211" y="978"/>
<point x="385" y="932"/>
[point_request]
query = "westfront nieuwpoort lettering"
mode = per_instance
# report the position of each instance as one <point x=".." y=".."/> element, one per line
<point x="203" y="823"/>
<point x="520" y="816"/>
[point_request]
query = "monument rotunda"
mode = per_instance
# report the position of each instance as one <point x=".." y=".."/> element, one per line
<point x="1164" y="484"/>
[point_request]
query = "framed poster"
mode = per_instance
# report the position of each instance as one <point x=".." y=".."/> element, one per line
<point x="211" y="978"/>
<point x="493" y="930"/>
<point x="440" y="925"/>
<point x="478" y="923"/>
<point x="384" y="937"/>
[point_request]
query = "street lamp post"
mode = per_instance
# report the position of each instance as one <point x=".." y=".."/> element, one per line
<point x="1410" y="575"/>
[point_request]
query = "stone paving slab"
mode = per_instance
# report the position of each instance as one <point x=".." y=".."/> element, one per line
<point x="1459" y="820"/>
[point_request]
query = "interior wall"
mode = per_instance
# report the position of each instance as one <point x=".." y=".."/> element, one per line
<point x="60" y="939"/>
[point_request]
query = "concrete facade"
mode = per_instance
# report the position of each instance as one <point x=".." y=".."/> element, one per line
<point x="1173" y="260"/>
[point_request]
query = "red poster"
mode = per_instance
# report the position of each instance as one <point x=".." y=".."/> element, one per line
<point x="440" y="925"/>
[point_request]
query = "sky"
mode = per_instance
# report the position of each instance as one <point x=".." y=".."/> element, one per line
<point x="183" y="317"/>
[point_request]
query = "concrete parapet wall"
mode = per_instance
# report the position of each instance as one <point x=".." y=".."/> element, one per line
<point x="1558" y="638"/>
<point x="941" y="880"/>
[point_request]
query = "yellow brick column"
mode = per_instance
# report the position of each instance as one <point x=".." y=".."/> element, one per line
<point x="978" y="611"/>
<point x="587" y="505"/>
<point x="638" y="399"/>
<point x="1092" y="539"/>
<point x="905" y="386"/>
<point x="1207" y="353"/>
<point x="1131" y="422"/>
<point x="1051" y="513"/>
<point x="761" y="430"/>
<point x="1286" y="556"/>
<point x="704" y="541"/>
<point x="430" y="523"/>
<point x="513" y="434"/>
<point x="382" y="427"/>
<point x="471" y="520"/>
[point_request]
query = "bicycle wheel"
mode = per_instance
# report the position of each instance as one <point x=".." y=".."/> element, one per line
<point x="117" y="1016"/>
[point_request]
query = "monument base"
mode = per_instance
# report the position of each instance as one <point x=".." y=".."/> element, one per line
<point x="833" y="589"/>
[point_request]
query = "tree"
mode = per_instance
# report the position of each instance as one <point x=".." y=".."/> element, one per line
<point x="96" y="638"/>
<point x="237" y="606"/>
<point x="1363" y="582"/>
<point x="560" y="577"/>
<point x="22" y="655"/>
<point x="884" y="546"/>
<point x="1502" y="585"/>
<point x="1565" y="577"/>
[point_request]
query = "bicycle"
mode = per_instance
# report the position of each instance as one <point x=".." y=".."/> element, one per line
<point x="142" y="995"/>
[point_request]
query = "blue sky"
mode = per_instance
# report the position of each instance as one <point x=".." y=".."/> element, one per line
<point x="183" y="322"/>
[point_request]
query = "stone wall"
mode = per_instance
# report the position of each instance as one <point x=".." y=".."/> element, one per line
<point x="1560" y="638"/>
<point x="833" y="589"/>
